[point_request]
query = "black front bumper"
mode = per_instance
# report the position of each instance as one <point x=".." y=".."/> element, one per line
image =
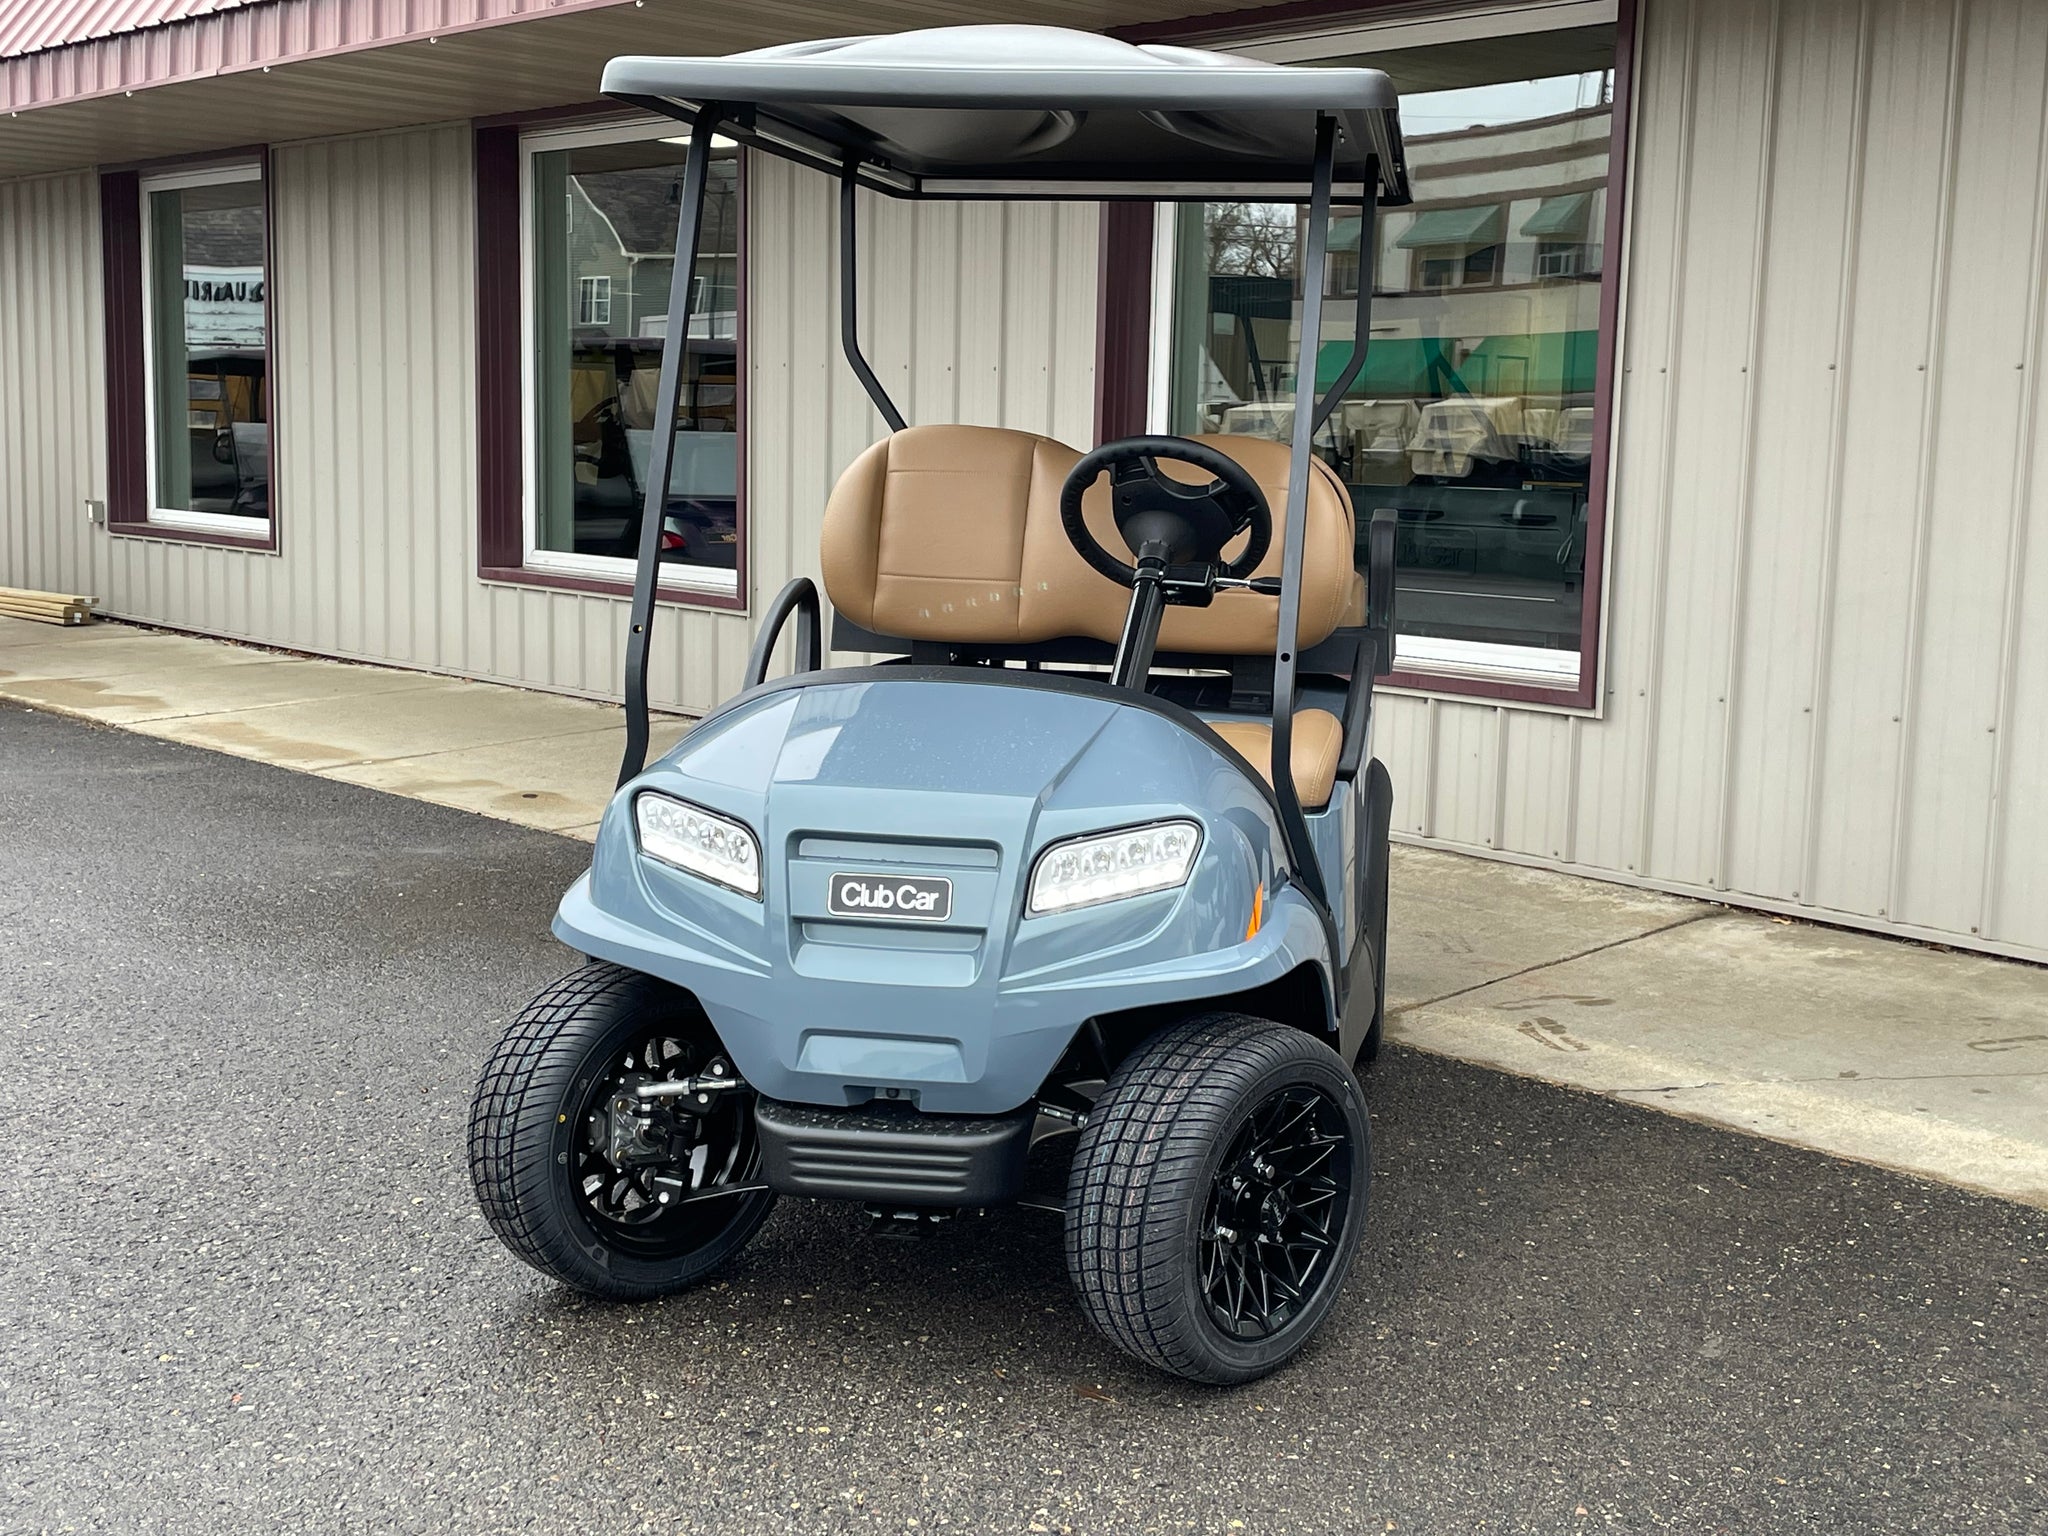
<point x="893" y="1154"/>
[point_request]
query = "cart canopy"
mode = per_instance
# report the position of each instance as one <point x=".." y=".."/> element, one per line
<point x="1024" y="111"/>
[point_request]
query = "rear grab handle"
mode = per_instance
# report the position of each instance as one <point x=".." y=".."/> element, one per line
<point x="801" y="597"/>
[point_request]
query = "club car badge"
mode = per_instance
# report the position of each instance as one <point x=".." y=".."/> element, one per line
<point x="917" y="898"/>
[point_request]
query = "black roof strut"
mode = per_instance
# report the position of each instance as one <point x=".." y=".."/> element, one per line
<point x="668" y="394"/>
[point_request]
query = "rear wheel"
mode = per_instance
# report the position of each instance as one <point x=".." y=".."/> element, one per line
<point x="1217" y="1197"/>
<point x="577" y="1175"/>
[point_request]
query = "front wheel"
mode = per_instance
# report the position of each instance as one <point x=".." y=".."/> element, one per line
<point x="578" y="1176"/>
<point x="1217" y="1197"/>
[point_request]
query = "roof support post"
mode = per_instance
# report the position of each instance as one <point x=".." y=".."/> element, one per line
<point x="1295" y="542"/>
<point x="675" y="349"/>
<point x="1361" y="330"/>
<point x="849" y="300"/>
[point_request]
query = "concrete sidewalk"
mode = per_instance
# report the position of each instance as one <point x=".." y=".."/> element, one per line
<point x="1918" y="1059"/>
<point x="538" y="759"/>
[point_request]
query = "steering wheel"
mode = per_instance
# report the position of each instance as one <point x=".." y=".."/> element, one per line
<point x="1167" y="518"/>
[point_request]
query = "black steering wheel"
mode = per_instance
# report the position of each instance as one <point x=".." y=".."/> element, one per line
<point x="1164" y="518"/>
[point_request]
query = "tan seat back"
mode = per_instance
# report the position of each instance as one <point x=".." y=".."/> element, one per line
<point x="925" y="533"/>
<point x="953" y="533"/>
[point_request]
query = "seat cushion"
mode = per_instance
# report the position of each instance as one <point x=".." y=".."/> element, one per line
<point x="1318" y="739"/>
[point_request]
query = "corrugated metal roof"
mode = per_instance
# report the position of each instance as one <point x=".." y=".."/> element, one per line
<point x="34" y="25"/>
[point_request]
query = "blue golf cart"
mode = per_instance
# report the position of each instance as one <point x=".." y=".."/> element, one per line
<point x="1092" y="857"/>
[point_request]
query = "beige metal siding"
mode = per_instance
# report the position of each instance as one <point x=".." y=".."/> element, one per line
<point x="51" y="406"/>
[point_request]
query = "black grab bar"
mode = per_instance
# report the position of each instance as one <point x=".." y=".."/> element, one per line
<point x="800" y="596"/>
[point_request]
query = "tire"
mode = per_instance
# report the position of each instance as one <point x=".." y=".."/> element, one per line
<point x="1151" y="1188"/>
<point x="535" y="1142"/>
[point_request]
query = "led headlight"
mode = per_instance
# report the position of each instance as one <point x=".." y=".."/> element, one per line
<point x="714" y="847"/>
<point x="1108" y="866"/>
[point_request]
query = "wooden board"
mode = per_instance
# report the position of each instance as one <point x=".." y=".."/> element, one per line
<point x="44" y="608"/>
<point x="30" y="595"/>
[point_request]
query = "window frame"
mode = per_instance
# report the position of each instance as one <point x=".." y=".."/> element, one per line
<point x="507" y="446"/>
<point x="211" y="175"/>
<point x="594" y="299"/>
<point x="124" y="276"/>
<point x="1299" y="33"/>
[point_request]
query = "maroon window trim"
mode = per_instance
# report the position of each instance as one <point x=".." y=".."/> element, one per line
<point x="121" y="275"/>
<point x="501" y="327"/>
<point x="1123" y="325"/>
<point x="1123" y="321"/>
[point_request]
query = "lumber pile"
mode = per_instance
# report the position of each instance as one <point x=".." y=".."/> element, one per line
<point x="45" y="607"/>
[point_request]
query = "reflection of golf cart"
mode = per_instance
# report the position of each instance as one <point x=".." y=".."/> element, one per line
<point x="228" y="440"/>
<point x="613" y="442"/>
<point x="1102" y="850"/>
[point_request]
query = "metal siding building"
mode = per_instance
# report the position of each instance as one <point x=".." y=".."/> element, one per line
<point x="1823" y="677"/>
<point x="377" y="355"/>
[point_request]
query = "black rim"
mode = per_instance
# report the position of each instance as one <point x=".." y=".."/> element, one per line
<point x="1276" y="1213"/>
<point x="682" y="1157"/>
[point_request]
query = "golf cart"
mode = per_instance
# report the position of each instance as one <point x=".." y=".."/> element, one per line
<point x="1099" y="850"/>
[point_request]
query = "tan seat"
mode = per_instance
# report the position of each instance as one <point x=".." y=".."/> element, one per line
<point x="950" y="533"/>
<point x="1318" y="739"/>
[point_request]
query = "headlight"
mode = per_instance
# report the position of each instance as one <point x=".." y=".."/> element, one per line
<point x="1108" y="866"/>
<point x="714" y="847"/>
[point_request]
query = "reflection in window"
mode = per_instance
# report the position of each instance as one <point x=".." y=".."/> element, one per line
<point x="1474" y="414"/>
<point x="603" y="235"/>
<point x="209" y="414"/>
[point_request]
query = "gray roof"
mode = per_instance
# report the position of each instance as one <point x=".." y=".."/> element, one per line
<point x="1021" y="110"/>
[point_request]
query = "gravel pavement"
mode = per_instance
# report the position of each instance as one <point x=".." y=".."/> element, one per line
<point x="244" y="1286"/>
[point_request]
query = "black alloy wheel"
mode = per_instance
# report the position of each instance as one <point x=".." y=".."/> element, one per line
<point x="644" y="1170"/>
<point x="1275" y="1213"/>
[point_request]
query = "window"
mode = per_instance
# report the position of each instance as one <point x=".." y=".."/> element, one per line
<point x="1557" y="258"/>
<point x="1474" y="417"/>
<point x="205" y="350"/>
<point x="599" y="212"/>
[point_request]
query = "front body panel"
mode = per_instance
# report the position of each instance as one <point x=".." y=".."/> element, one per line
<point x="858" y="790"/>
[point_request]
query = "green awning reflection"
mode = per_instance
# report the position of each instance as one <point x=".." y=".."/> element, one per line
<point x="1560" y="218"/>
<point x="1452" y="226"/>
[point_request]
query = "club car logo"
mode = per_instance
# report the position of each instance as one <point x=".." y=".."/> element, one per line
<point x="920" y="898"/>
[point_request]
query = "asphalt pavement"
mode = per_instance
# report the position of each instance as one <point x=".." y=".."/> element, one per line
<point x="243" y="1285"/>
